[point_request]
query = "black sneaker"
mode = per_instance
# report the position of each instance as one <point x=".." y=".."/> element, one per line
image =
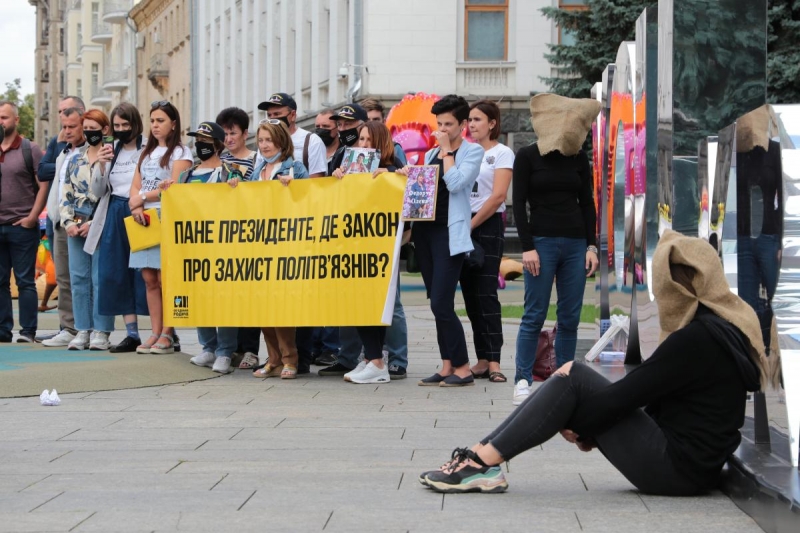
<point x="325" y="359"/>
<point x="397" y="372"/>
<point x="176" y="343"/>
<point x="454" y="457"/>
<point x="128" y="344"/>
<point x="6" y="337"/>
<point x="337" y="369"/>
<point x="461" y="476"/>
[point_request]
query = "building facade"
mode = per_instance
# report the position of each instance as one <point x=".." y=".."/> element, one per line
<point x="328" y="52"/>
<point x="163" y="55"/>
<point x="49" y="70"/>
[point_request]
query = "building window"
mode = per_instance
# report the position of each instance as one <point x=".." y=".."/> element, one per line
<point x="79" y="88"/>
<point x="486" y="30"/>
<point x="80" y="37"/>
<point x="566" y="36"/>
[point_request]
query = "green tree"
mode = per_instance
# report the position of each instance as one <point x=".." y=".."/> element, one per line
<point x="599" y="30"/>
<point x="25" y="104"/>
<point x="783" y="52"/>
<point x="598" y="33"/>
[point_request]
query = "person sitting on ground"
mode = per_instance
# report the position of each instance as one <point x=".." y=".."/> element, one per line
<point x="693" y="390"/>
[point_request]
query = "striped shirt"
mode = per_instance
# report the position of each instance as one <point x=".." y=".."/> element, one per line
<point x="243" y="165"/>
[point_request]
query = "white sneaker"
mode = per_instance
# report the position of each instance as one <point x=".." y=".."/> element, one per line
<point x="204" y="359"/>
<point x="63" y="338"/>
<point x="99" y="341"/>
<point x="521" y="391"/>
<point x="222" y="365"/>
<point x="80" y="341"/>
<point x="371" y="374"/>
<point x="361" y="365"/>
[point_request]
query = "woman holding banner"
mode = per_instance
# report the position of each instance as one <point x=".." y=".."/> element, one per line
<point x="442" y="245"/>
<point x="121" y="290"/>
<point x="372" y="369"/>
<point x="164" y="157"/>
<point x="218" y="343"/>
<point x="276" y="148"/>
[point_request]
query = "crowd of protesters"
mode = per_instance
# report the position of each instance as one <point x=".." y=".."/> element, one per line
<point x="101" y="169"/>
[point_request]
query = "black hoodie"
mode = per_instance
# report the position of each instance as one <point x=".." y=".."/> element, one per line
<point x="694" y="386"/>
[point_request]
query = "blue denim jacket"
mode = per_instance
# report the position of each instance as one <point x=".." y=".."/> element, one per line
<point x="460" y="179"/>
<point x="300" y="170"/>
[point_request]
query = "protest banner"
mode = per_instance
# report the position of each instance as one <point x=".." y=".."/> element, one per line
<point x="318" y="252"/>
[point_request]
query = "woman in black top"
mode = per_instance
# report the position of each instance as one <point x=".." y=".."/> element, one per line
<point x="679" y="442"/>
<point x="559" y="238"/>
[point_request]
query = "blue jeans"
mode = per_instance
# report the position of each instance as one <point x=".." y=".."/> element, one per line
<point x="219" y="341"/>
<point x="564" y="260"/>
<point x="326" y="339"/>
<point x="757" y="266"/>
<point x="396" y="340"/>
<point x="18" y="248"/>
<point x="83" y="276"/>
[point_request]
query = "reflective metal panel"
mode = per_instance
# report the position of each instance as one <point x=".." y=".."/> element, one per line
<point x="786" y="300"/>
<point x="621" y="151"/>
<point x="646" y="329"/>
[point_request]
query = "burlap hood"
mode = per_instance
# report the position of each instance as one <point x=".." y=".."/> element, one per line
<point x="753" y="129"/>
<point x="677" y="306"/>
<point x="562" y="123"/>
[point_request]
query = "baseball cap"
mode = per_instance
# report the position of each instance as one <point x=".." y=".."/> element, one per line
<point x="351" y="112"/>
<point x="209" y="129"/>
<point x="278" y="99"/>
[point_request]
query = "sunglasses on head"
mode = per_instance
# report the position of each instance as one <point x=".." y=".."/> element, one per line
<point x="160" y="103"/>
<point x="273" y="121"/>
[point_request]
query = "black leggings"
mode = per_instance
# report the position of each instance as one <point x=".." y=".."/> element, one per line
<point x="635" y="445"/>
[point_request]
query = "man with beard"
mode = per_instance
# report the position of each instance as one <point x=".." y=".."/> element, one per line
<point x="21" y="201"/>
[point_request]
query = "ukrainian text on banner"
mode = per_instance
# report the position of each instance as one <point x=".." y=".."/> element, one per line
<point x="318" y="252"/>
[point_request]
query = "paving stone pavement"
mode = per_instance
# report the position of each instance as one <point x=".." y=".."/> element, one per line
<point x="315" y="454"/>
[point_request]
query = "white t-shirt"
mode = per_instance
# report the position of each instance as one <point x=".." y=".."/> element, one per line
<point x="317" y="154"/>
<point x="500" y="156"/>
<point x="153" y="174"/>
<point x="122" y="174"/>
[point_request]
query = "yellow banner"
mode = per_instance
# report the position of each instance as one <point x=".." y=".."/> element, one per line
<point x="318" y="252"/>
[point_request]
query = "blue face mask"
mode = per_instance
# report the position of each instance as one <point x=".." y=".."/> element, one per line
<point x="272" y="159"/>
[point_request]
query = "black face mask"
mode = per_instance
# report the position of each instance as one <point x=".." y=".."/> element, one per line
<point x="93" y="137"/>
<point x="285" y="120"/>
<point x="204" y="150"/>
<point x="325" y="135"/>
<point x="348" y="137"/>
<point x="123" y="136"/>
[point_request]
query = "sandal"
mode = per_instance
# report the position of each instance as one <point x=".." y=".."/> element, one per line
<point x="289" y="372"/>
<point x="497" y="377"/>
<point x="163" y="347"/>
<point x="482" y="375"/>
<point x="268" y="371"/>
<point x="249" y="361"/>
<point x="145" y="347"/>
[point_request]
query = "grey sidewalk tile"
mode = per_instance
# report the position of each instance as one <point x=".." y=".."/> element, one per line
<point x="312" y="482"/>
<point x="106" y="520"/>
<point x="40" y="521"/>
<point x="18" y="482"/>
<point x="599" y="521"/>
<point x="197" y="420"/>
<point x="25" y="502"/>
<point x="66" y="467"/>
<point x="54" y="418"/>
<point x="154" y="500"/>
<point x="160" y="434"/>
<point x="256" y="520"/>
<point x="125" y="481"/>
<point x="713" y="503"/>
<point x="281" y="437"/>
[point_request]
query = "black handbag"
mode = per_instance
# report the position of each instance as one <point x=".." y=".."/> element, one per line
<point x="412" y="265"/>
<point x="474" y="259"/>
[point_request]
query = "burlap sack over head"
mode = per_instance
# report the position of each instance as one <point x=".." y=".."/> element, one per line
<point x="677" y="305"/>
<point x="562" y="123"/>
<point x="753" y="129"/>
